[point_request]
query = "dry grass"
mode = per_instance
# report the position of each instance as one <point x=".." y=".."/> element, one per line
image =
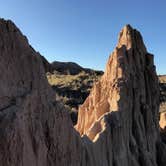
<point x="162" y="78"/>
<point x="72" y="90"/>
<point x="72" y="81"/>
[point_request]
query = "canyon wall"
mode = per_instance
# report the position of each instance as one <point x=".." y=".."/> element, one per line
<point x="35" y="130"/>
<point x="118" y="122"/>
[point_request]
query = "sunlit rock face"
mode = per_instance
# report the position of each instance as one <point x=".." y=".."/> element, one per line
<point x="121" y="112"/>
<point x="162" y="123"/>
<point x="118" y="122"/>
<point x="123" y="83"/>
<point x="163" y="120"/>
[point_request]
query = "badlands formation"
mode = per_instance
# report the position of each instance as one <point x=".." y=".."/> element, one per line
<point x="117" y="124"/>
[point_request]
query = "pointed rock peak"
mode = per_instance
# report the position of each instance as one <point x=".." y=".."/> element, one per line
<point x="127" y="29"/>
<point x="124" y="76"/>
<point x="8" y="26"/>
<point x="125" y="36"/>
<point x="130" y="37"/>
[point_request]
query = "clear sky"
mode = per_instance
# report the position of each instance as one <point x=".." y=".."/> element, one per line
<point x="86" y="31"/>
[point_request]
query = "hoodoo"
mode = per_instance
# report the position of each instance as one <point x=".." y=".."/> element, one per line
<point x="118" y="122"/>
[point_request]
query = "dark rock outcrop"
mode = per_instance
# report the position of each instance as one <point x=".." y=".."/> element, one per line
<point x="67" y="67"/>
<point x="71" y="68"/>
<point x="47" y="66"/>
<point x="35" y="129"/>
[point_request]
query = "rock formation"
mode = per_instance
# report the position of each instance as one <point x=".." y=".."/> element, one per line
<point x="163" y="126"/>
<point x="118" y="121"/>
<point x="162" y="120"/>
<point x="124" y="104"/>
<point x="35" y="130"/>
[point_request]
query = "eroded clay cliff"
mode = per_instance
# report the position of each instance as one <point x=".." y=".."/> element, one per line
<point x="118" y="121"/>
<point x="35" y="130"/>
<point x="124" y="104"/>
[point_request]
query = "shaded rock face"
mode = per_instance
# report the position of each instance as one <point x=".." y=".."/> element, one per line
<point x="47" y="66"/>
<point x="124" y="104"/>
<point x="35" y="129"/>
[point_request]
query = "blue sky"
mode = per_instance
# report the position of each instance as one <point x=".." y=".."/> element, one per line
<point x="86" y="31"/>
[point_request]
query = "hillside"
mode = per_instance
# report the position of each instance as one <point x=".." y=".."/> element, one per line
<point x="72" y="89"/>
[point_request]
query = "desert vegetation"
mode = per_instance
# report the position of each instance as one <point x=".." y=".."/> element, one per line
<point x="72" y="90"/>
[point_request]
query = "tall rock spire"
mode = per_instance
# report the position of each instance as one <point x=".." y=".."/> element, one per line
<point x="127" y="100"/>
<point x="126" y="72"/>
